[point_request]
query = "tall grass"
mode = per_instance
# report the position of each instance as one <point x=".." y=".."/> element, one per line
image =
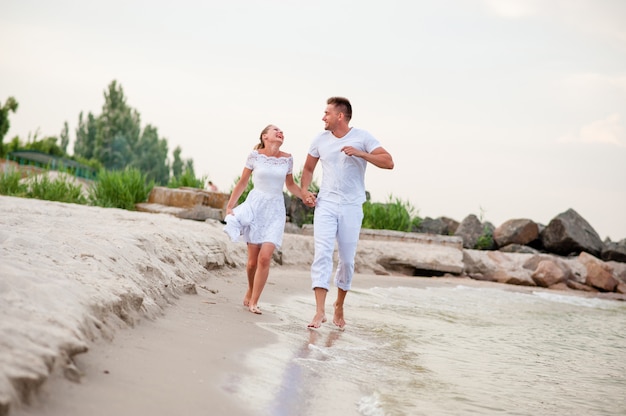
<point x="10" y="184"/>
<point x="60" y="189"/>
<point x="40" y="186"/>
<point x="395" y="215"/>
<point x="186" y="179"/>
<point x="120" y="189"/>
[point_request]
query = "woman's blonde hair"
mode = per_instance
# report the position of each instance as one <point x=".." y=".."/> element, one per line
<point x="261" y="144"/>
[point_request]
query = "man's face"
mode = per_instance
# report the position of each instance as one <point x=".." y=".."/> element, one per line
<point x="331" y="118"/>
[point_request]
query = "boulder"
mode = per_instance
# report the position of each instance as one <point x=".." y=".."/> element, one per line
<point x="516" y="231"/>
<point x="614" y="251"/>
<point x="569" y="233"/>
<point x="424" y="255"/>
<point x="517" y="248"/>
<point x="452" y="224"/>
<point x="599" y="274"/>
<point x="432" y="226"/>
<point x="186" y="203"/>
<point x="470" y="231"/>
<point x="549" y="273"/>
<point x="499" y="267"/>
<point x="299" y="213"/>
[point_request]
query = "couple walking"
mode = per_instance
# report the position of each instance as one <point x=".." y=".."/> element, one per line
<point x="344" y="153"/>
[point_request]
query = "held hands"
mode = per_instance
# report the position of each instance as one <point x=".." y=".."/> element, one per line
<point x="309" y="199"/>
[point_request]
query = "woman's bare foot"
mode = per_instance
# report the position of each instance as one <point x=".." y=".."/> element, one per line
<point x="317" y="321"/>
<point x="254" y="309"/>
<point x="246" y="298"/>
<point x="338" y="317"/>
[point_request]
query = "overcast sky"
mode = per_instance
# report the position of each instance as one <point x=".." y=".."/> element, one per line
<point x="499" y="108"/>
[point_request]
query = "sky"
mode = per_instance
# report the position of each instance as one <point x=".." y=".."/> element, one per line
<point x="503" y="109"/>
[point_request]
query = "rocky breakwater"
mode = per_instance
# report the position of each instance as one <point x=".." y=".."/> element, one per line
<point x="566" y="254"/>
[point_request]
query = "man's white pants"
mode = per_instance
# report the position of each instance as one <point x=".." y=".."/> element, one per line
<point x="333" y="221"/>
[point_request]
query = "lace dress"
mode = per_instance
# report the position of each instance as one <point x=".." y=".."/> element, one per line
<point x="261" y="217"/>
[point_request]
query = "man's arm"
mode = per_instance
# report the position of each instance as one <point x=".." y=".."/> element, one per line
<point x="378" y="157"/>
<point x="307" y="177"/>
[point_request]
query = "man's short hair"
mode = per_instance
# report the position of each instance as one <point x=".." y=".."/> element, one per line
<point x="342" y="105"/>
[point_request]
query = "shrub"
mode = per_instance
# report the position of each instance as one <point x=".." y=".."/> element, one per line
<point x="10" y="183"/>
<point x="60" y="189"/>
<point x="485" y="241"/>
<point x="393" y="215"/>
<point x="187" y="179"/>
<point x="120" y="189"/>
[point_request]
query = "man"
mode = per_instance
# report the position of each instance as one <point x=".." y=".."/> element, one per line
<point x="344" y="152"/>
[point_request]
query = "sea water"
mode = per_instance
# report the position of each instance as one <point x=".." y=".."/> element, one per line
<point x="456" y="350"/>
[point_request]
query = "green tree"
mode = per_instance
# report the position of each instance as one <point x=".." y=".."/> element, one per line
<point x="151" y="156"/>
<point x="47" y="145"/>
<point x="177" y="164"/>
<point x="118" y="130"/>
<point x="65" y="137"/>
<point x="10" y="106"/>
<point x="86" y="132"/>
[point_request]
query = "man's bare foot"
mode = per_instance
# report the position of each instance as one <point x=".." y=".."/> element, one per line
<point x="317" y="321"/>
<point x="255" y="309"/>
<point x="338" y="317"/>
<point x="246" y="302"/>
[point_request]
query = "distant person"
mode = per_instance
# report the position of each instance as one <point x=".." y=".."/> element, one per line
<point x="212" y="187"/>
<point x="260" y="219"/>
<point x="344" y="152"/>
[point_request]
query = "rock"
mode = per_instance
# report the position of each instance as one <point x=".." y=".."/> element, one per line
<point x="470" y="231"/>
<point x="548" y="273"/>
<point x="619" y="270"/>
<point x="499" y="267"/>
<point x="432" y="226"/>
<point x="299" y="213"/>
<point x="599" y="274"/>
<point x="186" y="203"/>
<point x="614" y="251"/>
<point x="580" y="286"/>
<point x="569" y="233"/>
<point x="409" y="256"/>
<point x="452" y="224"/>
<point x="517" y="248"/>
<point x="516" y="231"/>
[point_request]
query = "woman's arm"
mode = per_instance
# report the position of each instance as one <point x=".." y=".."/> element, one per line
<point x="238" y="190"/>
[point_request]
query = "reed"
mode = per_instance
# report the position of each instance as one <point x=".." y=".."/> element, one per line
<point x="120" y="189"/>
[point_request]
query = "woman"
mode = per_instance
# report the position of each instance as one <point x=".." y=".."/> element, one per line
<point x="261" y="218"/>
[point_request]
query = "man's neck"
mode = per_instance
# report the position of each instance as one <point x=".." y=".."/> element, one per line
<point x="341" y="131"/>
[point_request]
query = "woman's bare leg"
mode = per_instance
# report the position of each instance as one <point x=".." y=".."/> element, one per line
<point x="264" y="259"/>
<point x="251" y="266"/>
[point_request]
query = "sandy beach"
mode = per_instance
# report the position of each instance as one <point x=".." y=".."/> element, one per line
<point x="97" y="318"/>
<point x="106" y="311"/>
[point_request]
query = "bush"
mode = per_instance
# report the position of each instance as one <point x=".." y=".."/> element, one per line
<point x="41" y="187"/>
<point x="485" y="241"/>
<point x="120" y="189"/>
<point x="187" y="179"/>
<point x="60" y="189"/>
<point x="10" y="184"/>
<point x="393" y="215"/>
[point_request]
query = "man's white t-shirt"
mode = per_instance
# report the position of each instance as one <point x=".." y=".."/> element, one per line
<point x="343" y="177"/>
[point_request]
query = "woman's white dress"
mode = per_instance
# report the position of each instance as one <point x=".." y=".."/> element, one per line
<point x="261" y="217"/>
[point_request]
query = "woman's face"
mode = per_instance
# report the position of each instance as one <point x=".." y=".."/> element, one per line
<point x="274" y="134"/>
